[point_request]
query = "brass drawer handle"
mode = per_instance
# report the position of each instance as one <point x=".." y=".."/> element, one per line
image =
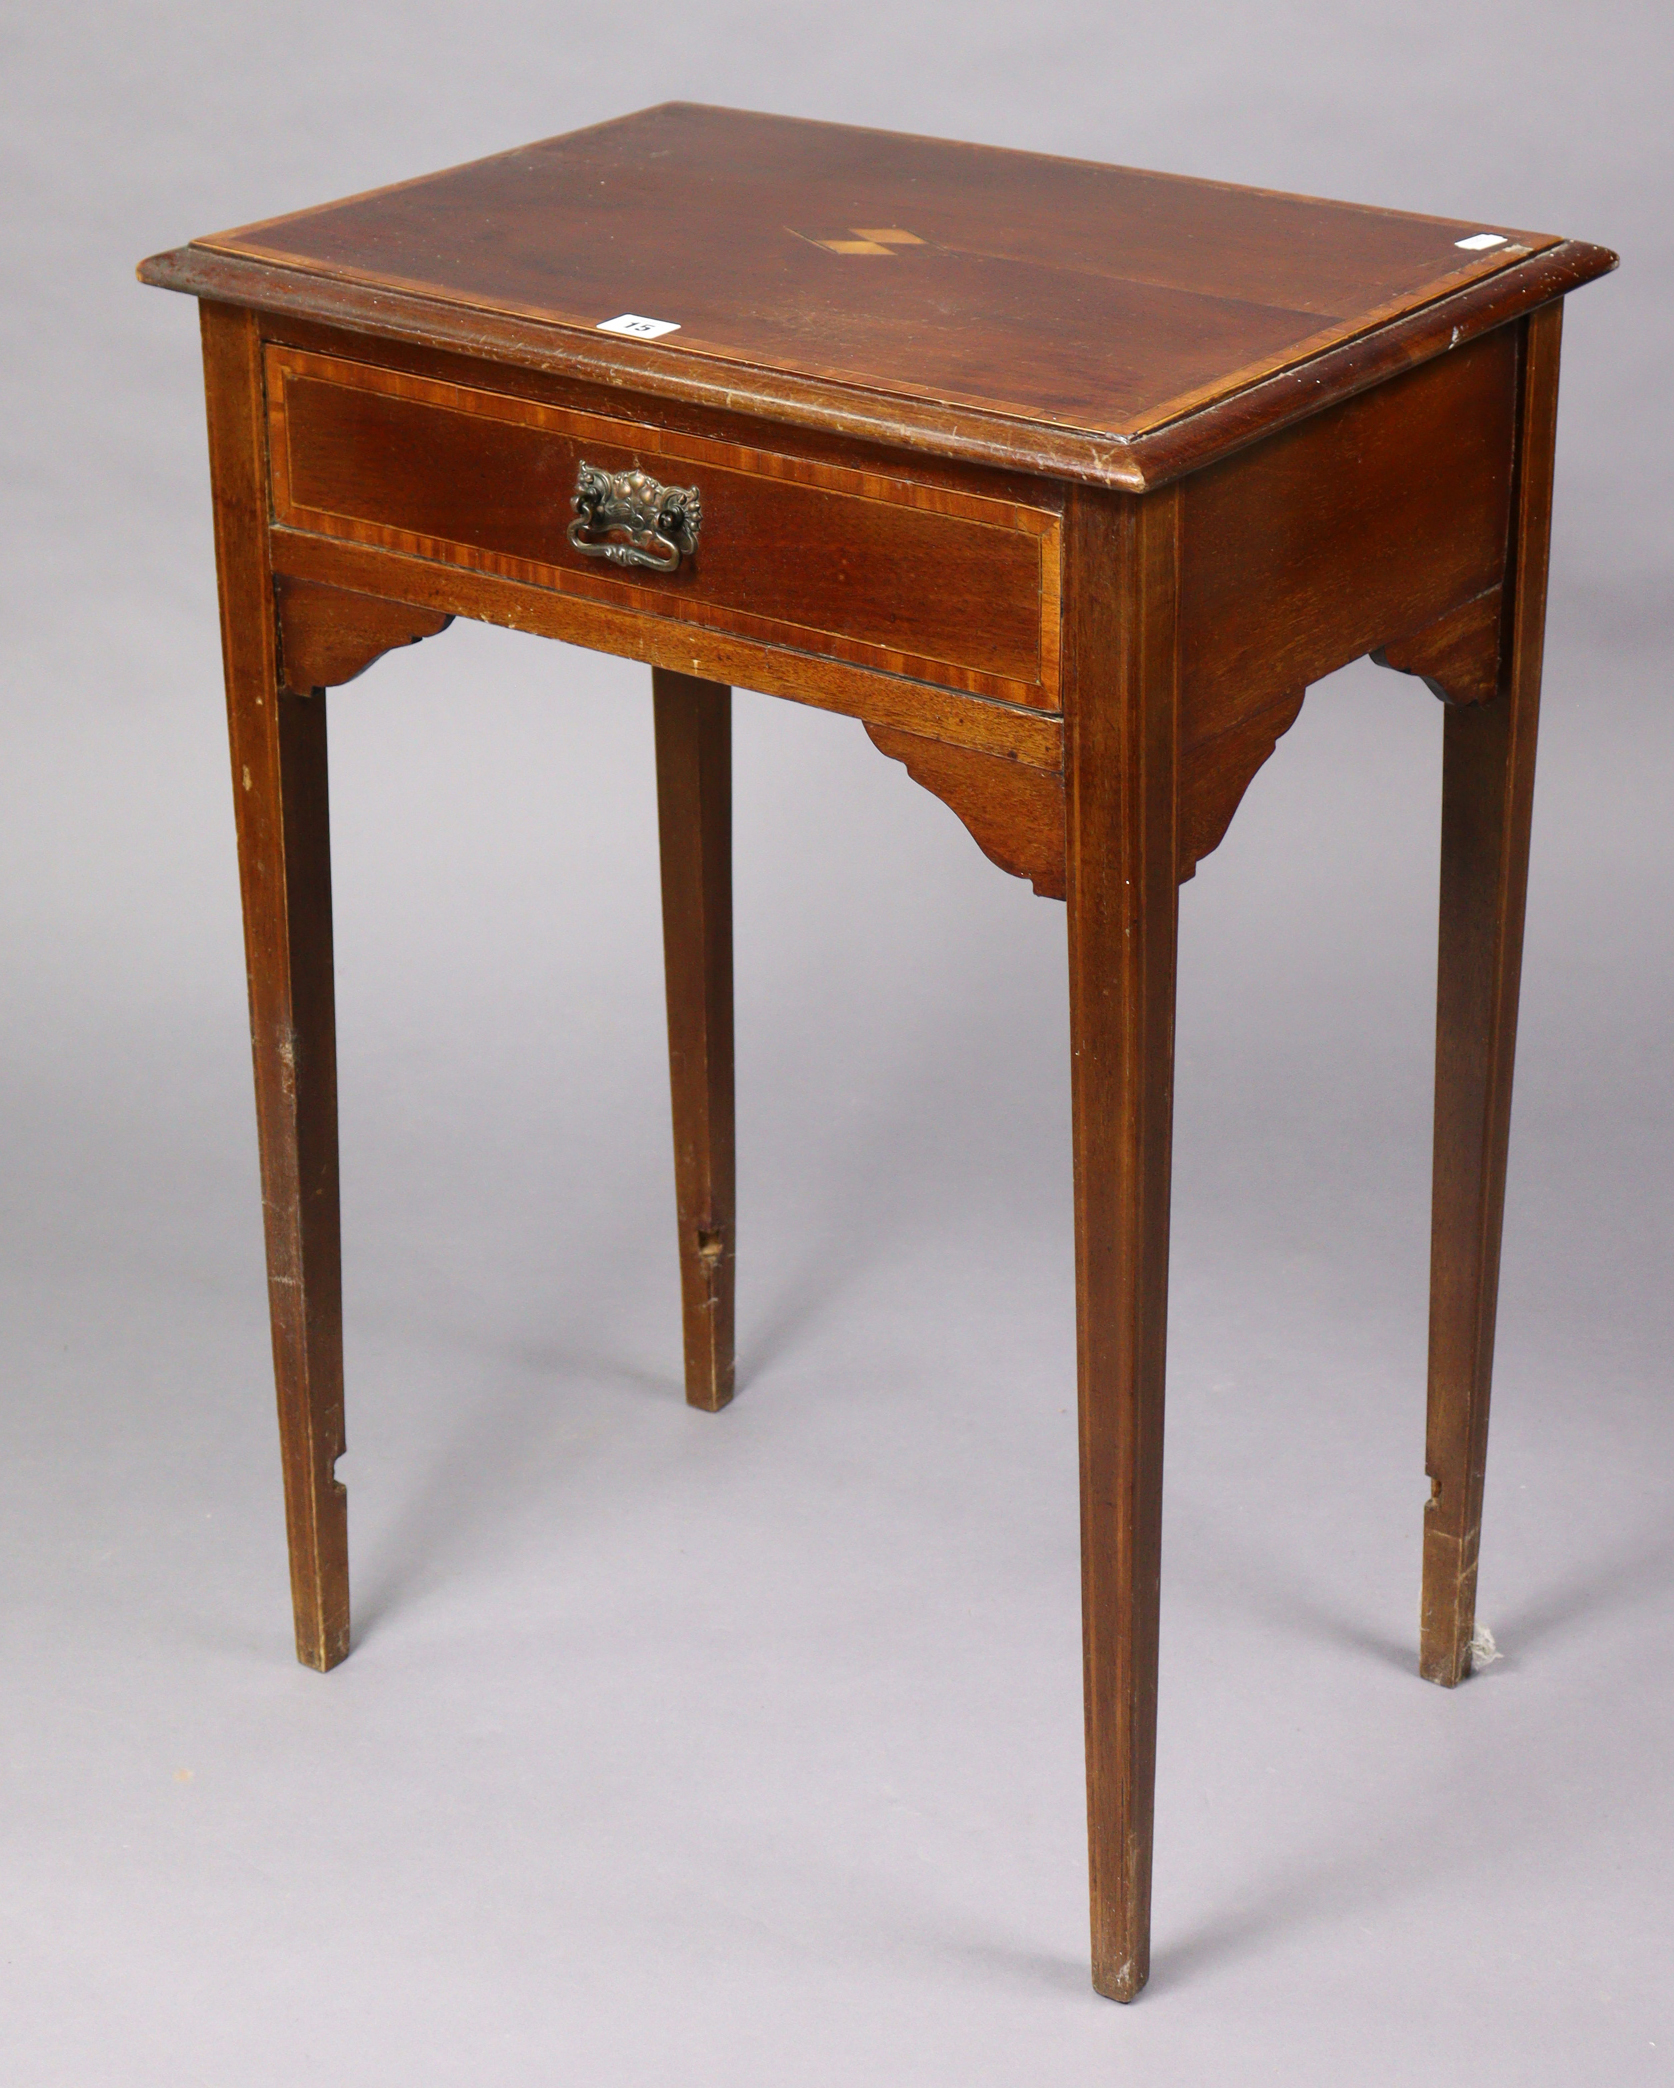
<point x="627" y="518"/>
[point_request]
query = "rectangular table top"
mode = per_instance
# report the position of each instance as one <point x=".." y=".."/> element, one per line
<point x="1114" y="325"/>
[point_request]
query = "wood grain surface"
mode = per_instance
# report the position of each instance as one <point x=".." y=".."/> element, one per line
<point x="1025" y="734"/>
<point x="328" y="636"/>
<point x="1488" y="763"/>
<point x="1121" y="687"/>
<point x="278" y="742"/>
<point x="921" y="580"/>
<point x="1012" y="810"/>
<point x="1109" y="324"/>
<point x="694" y="825"/>
<point x="1458" y="655"/>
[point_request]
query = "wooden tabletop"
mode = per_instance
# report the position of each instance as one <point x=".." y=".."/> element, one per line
<point x="1112" y="325"/>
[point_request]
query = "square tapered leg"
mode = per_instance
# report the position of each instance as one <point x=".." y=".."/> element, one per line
<point x="1121" y="702"/>
<point x="279" y="794"/>
<point x="694" y="816"/>
<point x="1487" y="795"/>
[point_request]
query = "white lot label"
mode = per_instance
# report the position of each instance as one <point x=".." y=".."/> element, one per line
<point x="641" y="329"/>
<point x="1480" y="240"/>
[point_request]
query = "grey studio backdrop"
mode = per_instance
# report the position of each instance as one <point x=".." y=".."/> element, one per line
<point x="747" y="1750"/>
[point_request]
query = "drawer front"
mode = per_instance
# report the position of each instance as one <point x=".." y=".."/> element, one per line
<point x="945" y="586"/>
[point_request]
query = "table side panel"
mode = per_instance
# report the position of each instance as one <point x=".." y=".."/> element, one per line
<point x="1355" y="528"/>
<point x="913" y="578"/>
<point x="1378" y="518"/>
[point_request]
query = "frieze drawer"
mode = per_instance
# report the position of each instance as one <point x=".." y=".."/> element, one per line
<point x="940" y="584"/>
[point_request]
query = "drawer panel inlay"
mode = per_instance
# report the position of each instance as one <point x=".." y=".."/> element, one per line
<point x="940" y="584"/>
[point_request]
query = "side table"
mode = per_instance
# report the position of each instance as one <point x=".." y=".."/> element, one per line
<point x="1066" y="481"/>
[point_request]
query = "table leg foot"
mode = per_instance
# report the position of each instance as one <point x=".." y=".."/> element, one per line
<point x="1448" y="1619"/>
<point x="1120" y="1980"/>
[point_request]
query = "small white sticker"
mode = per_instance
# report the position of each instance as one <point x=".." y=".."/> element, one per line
<point x="1478" y="241"/>
<point x="641" y="329"/>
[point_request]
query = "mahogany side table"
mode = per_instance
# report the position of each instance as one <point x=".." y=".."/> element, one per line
<point x="1066" y="481"/>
